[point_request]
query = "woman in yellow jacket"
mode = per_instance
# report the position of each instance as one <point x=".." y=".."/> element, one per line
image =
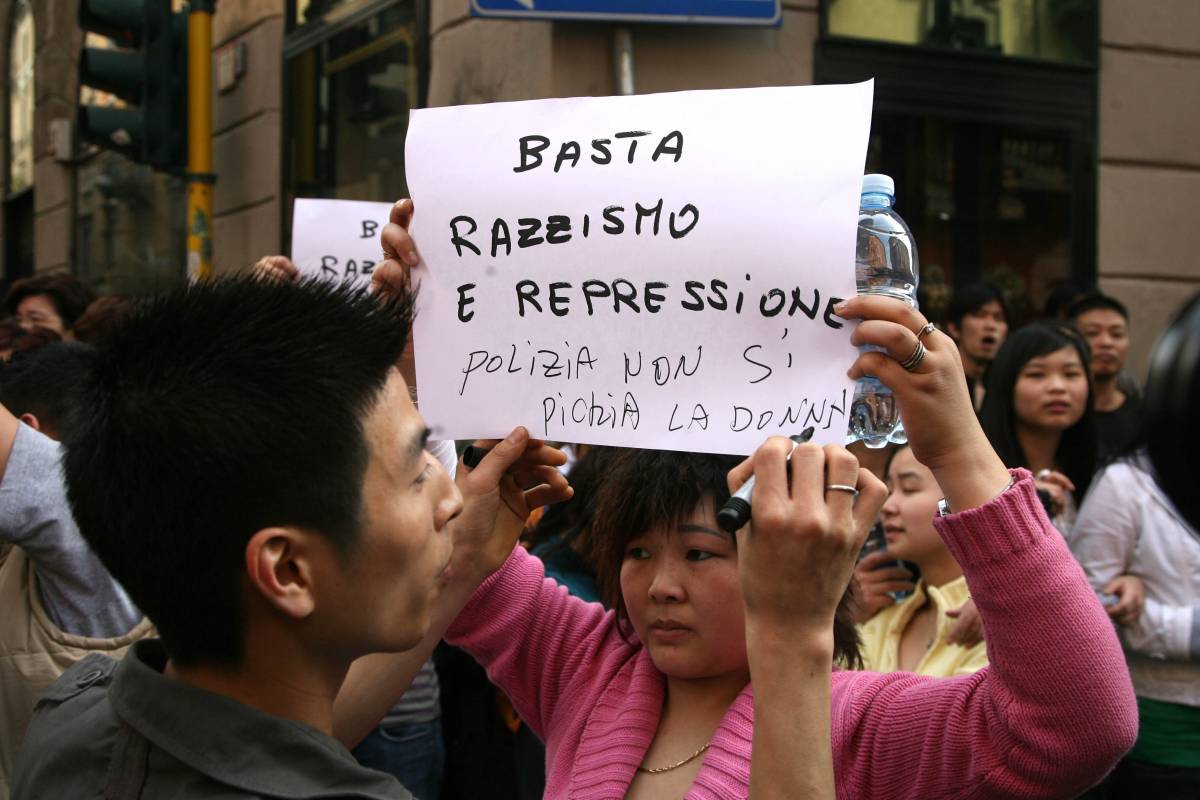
<point x="911" y="635"/>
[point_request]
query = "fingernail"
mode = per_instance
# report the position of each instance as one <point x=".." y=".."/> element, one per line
<point x="840" y="307"/>
<point x="411" y="257"/>
<point x="517" y="435"/>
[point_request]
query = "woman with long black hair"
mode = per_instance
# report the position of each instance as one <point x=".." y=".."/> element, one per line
<point x="1038" y="413"/>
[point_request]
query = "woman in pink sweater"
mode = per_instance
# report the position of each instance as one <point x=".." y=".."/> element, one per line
<point x="667" y="708"/>
<point x="710" y="617"/>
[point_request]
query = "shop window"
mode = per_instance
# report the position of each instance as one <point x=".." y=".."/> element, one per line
<point x="991" y="137"/>
<point x="1055" y="30"/>
<point x="985" y="202"/>
<point x="353" y="72"/>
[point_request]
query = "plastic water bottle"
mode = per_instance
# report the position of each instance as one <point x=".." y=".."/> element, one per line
<point x="885" y="264"/>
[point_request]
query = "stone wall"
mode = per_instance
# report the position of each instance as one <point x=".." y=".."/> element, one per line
<point x="248" y="136"/>
<point x="1149" y="171"/>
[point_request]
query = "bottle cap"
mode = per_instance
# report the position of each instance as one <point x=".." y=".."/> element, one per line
<point x="879" y="184"/>
<point x="733" y="515"/>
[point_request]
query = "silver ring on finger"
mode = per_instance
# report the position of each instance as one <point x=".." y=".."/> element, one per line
<point x="914" y="360"/>
<point x="841" y="487"/>
<point x="927" y="329"/>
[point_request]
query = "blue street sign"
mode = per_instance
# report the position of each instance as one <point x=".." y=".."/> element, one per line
<point x="710" y="12"/>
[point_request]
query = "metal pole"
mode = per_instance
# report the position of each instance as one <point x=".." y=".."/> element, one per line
<point x="200" y="176"/>
<point x="623" y="59"/>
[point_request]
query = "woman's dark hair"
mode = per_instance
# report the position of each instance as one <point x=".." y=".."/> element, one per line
<point x="101" y="316"/>
<point x="1172" y="396"/>
<point x="568" y="524"/>
<point x="16" y="339"/>
<point x="10" y="331"/>
<point x="1077" y="450"/>
<point x="647" y="489"/>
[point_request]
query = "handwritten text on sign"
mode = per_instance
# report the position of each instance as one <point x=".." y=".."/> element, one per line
<point x="338" y="239"/>
<point x="655" y="271"/>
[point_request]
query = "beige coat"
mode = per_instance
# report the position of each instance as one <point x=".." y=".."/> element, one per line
<point x="34" y="652"/>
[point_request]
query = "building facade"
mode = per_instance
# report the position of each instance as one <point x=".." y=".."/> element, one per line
<point x="1034" y="142"/>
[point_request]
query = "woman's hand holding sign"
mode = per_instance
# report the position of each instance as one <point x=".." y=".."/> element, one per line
<point x="941" y="425"/>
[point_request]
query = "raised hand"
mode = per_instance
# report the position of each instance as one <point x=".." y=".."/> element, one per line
<point x="795" y="560"/>
<point x="517" y="475"/>
<point x="968" y="626"/>
<point x="804" y="529"/>
<point x="938" y="417"/>
<point x="275" y="268"/>
<point x="399" y="250"/>
<point x="1056" y="485"/>
<point x="1131" y="598"/>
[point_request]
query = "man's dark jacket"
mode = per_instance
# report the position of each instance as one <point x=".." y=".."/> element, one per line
<point x="124" y="731"/>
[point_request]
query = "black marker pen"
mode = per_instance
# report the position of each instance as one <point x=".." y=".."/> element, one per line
<point x="736" y="511"/>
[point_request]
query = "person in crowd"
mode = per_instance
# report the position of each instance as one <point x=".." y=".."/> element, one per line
<point x="655" y="700"/>
<point x="408" y="743"/>
<point x="1060" y="299"/>
<point x="912" y="635"/>
<point x="978" y="322"/>
<point x="562" y="540"/>
<point x="1172" y="394"/>
<point x="1127" y="527"/>
<point x="42" y="386"/>
<point x="101" y="316"/>
<point x="1104" y="322"/>
<point x="252" y="469"/>
<point x="60" y="603"/>
<point x="562" y="537"/>
<point x="24" y="341"/>
<point x="10" y="332"/>
<point x="1037" y="413"/>
<point x="52" y="301"/>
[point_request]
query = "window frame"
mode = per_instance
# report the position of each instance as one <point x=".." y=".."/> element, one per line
<point x="299" y="39"/>
<point x="1092" y="63"/>
<point x="1056" y="97"/>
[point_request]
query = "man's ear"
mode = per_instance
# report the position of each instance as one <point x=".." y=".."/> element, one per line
<point x="31" y="421"/>
<point x="952" y="331"/>
<point x="279" y="568"/>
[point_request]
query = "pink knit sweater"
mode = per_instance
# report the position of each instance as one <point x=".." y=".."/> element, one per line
<point x="1053" y="712"/>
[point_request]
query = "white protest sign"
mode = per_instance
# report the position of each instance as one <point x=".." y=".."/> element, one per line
<point x="654" y="271"/>
<point x="338" y="239"/>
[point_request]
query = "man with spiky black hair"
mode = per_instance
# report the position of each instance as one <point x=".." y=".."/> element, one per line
<point x="250" y="466"/>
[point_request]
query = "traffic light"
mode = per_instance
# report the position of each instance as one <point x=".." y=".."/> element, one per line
<point x="147" y="70"/>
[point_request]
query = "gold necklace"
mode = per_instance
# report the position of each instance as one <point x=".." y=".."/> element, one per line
<point x="677" y="765"/>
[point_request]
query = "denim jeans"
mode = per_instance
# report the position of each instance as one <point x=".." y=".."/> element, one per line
<point x="415" y="754"/>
